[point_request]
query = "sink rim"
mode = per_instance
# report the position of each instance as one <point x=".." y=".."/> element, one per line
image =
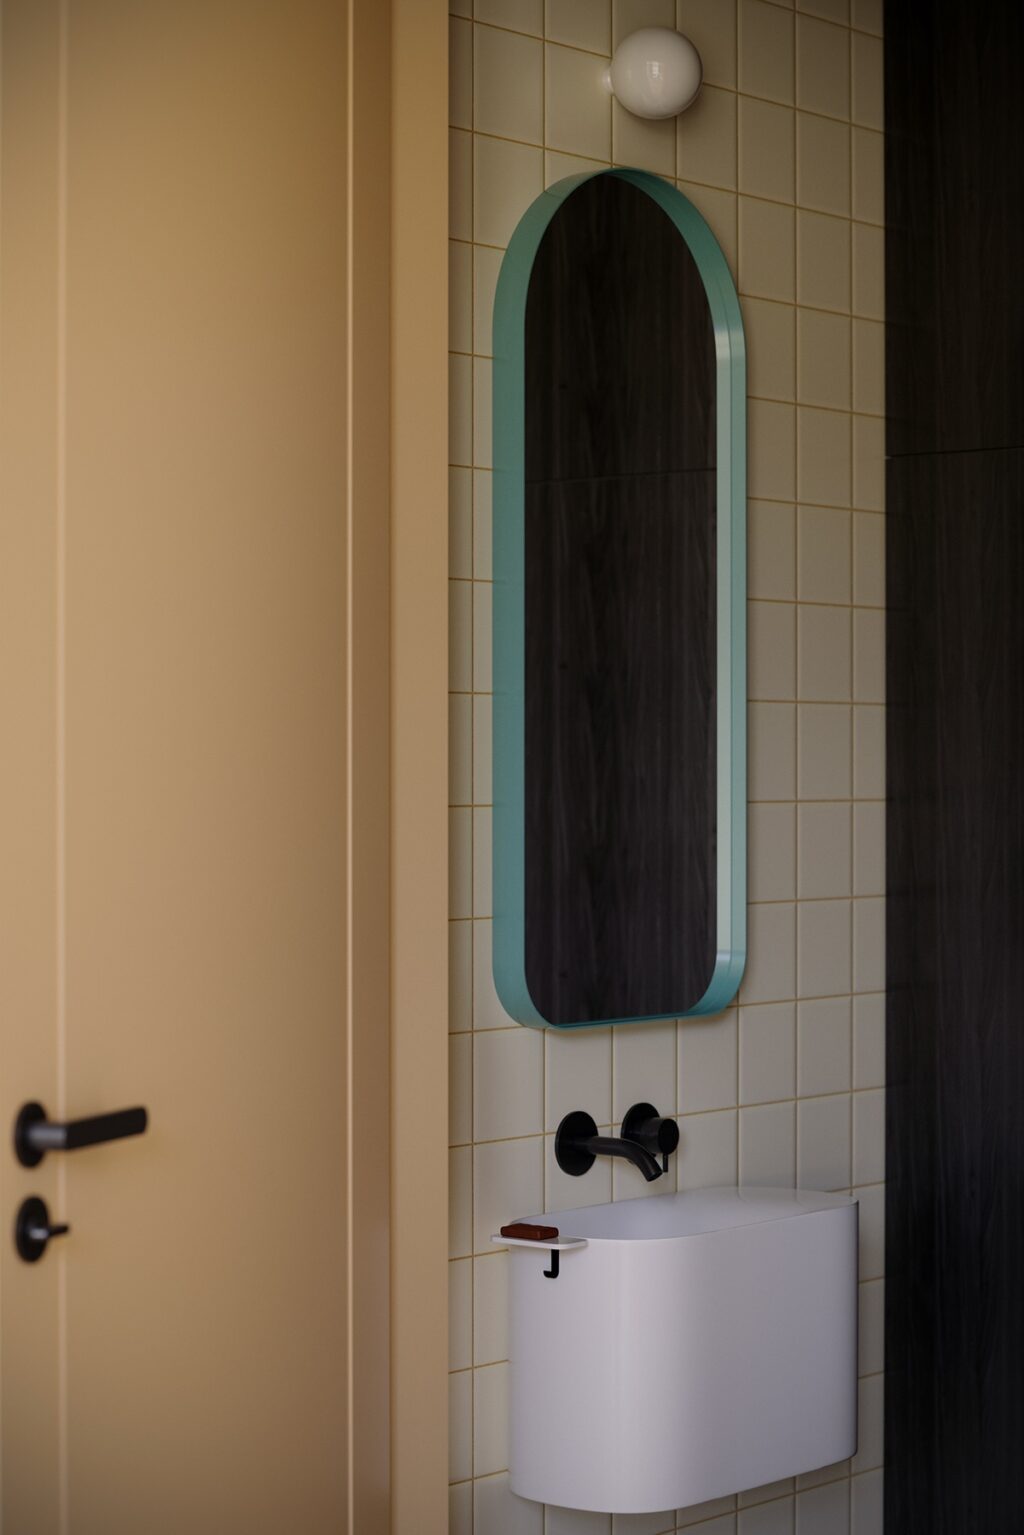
<point x="699" y="1212"/>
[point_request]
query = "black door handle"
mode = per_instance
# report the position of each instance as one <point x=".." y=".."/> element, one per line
<point x="35" y="1135"/>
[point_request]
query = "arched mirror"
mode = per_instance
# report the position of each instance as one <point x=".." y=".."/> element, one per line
<point x="619" y="610"/>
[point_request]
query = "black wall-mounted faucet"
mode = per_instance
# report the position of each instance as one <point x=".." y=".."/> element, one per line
<point x="644" y="1133"/>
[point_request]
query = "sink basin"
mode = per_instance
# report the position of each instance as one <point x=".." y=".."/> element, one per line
<point x="670" y="1350"/>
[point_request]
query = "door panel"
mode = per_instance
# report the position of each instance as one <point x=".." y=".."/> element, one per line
<point x="178" y="802"/>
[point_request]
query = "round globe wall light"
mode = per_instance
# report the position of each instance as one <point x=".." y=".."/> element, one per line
<point x="655" y="72"/>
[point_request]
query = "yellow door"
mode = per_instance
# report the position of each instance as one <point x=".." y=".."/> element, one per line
<point x="174" y="769"/>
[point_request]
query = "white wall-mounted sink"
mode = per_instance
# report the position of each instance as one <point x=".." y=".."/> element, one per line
<point x="692" y="1345"/>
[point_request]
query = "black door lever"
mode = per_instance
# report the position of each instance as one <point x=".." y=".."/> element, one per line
<point x="35" y="1135"/>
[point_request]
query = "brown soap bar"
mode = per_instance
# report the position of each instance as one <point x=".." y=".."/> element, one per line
<point x="530" y="1233"/>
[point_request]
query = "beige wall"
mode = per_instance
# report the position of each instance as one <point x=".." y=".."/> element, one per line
<point x="783" y="155"/>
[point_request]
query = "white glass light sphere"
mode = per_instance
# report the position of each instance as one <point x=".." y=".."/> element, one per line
<point x="655" y="72"/>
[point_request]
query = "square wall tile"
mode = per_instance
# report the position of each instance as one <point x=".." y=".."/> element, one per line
<point x="866" y="16"/>
<point x="648" y="145"/>
<point x="822" y="67"/>
<point x="579" y="108"/>
<point x="460" y="1202"/>
<point x="771" y="731"/>
<point x="770" y="975"/>
<point x="824" y="862"/>
<point x="707" y="1063"/>
<point x="824" y="451"/>
<point x="869" y="559"/>
<point x="870" y="1416"/>
<point x="869" y="944"/>
<point x="824" y="948"/>
<point x="490" y="1308"/>
<point x="823" y="1046"/>
<point x="517" y="15"/>
<point x="771" y="349"/>
<point x="707" y="1150"/>
<point x="712" y="27"/>
<point x="460" y="73"/>
<point x="766" y="159"/>
<point x="706" y="139"/>
<point x="869" y="367"/>
<point x="823" y="1142"/>
<point x="460" y="185"/>
<point x="771" y="650"/>
<point x="768" y="1145"/>
<point x="869" y="462"/>
<point x="497" y="1509"/>
<point x="508" y="1183"/>
<point x="869" y="849"/>
<point x="490" y="1419"/>
<point x="871" y="1326"/>
<point x="868" y="72"/>
<point x="486" y="266"/>
<point x="872" y="1231"/>
<point x="482" y="598"/>
<point x="482" y="412"/>
<point x="580" y="23"/>
<point x="767" y="261"/>
<point x="460" y="297"/>
<point x="824" y="553"/>
<point x="824" y="751"/>
<point x="482" y="775"/>
<point x="460" y="1090"/>
<point x="771" y="535"/>
<point x="630" y="15"/>
<point x="868" y="176"/>
<point x="767" y="1053"/>
<point x="508" y="85"/>
<point x="869" y="1136"/>
<point x="869" y="1040"/>
<point x="460" y="410"/>
<point x="867" y="1504"/>
<point x="823" y="261"/>
<point x="765" y="51"/>
<point x="822" y="164"/>
<point x="460" y="748"/>
<point x="868" y="655"/>
<point x="578" y="1074"/>
<point x="824" y="1510"/>
<point x="460" y="1425"/>
<point x="460" y="977"/>
<point x="771" y="440"/>
<point x="718" y="1508"/>
<point x="824" y="653"/>
<point x="868" y="271"/>
<point x="508" y="1083"/>
<point x="575" y="1521"/>
<point x="460" y="863"/>
<point x="460" y="522"/>
<point x="775" y="1518"/>
<point x="460" y="1314"/>
<point x="772" y="852"/>
<point x="823" y="359"/>
<point x="460" y="1509"/>
<point x="643" y="1067"/>
<point x="482" y="863"/>
<point x="829" y="10"/>
<point x="506" y="179"/>
<point x="869" y="752"/>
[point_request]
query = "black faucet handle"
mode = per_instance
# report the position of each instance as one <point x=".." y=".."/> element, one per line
<point x="644" y="1125"/>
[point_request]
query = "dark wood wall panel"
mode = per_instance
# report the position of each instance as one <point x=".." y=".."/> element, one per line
<point x="954" y="1405"/>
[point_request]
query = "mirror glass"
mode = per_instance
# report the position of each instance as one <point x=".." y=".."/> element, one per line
<point x="618" y="630"/>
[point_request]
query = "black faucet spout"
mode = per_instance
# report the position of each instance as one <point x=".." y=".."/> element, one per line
<point x="612" y="1146"/>
<point x="577" y="1144"/>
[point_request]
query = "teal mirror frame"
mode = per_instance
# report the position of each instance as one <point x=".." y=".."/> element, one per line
<point x="509" y="586"/>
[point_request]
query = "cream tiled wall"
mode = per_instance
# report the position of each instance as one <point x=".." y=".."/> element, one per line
<point x="783" y="155"/>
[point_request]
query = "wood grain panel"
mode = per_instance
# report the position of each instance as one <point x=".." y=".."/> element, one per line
<point x="620" y="615"/>
<point x="955" y="1211"/>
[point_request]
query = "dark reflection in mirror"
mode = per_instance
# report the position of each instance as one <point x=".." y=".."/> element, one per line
<point x="620" y="614"/>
